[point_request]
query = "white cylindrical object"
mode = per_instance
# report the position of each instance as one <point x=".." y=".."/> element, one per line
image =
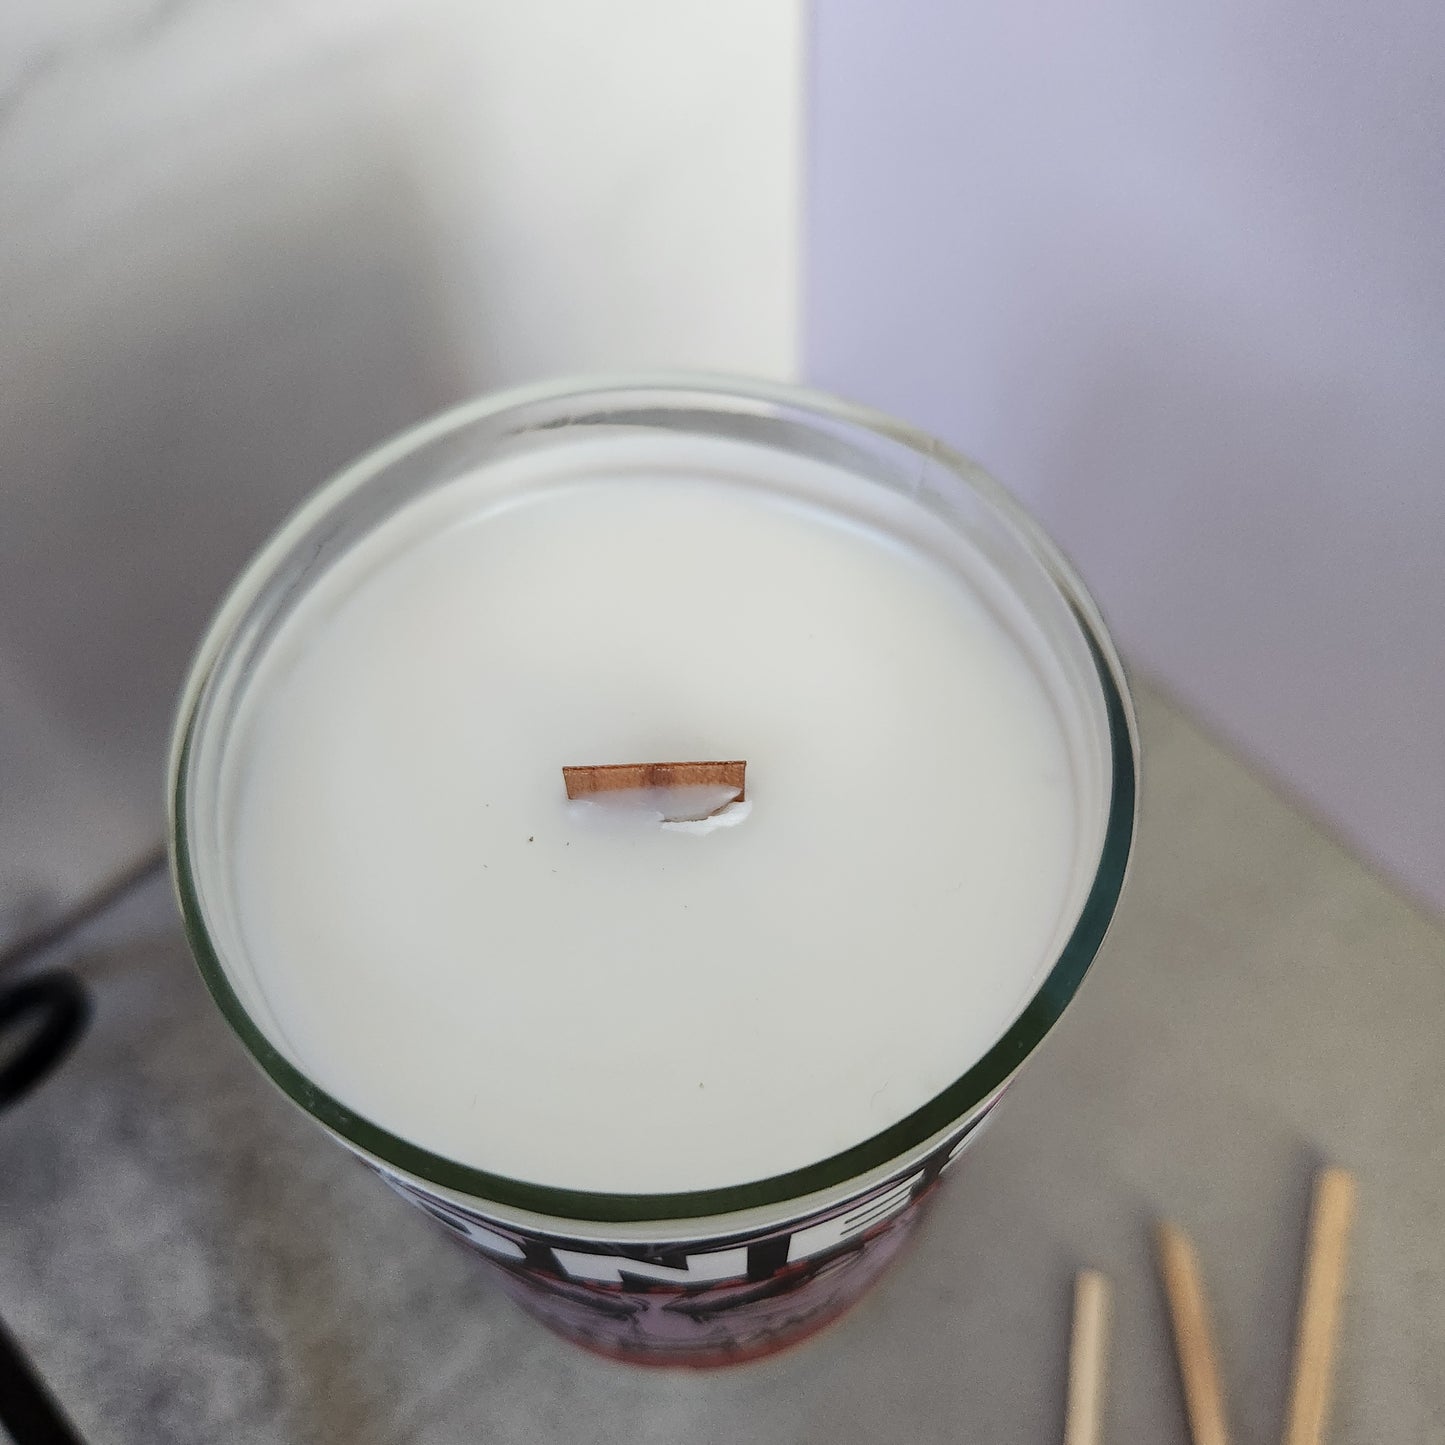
<point x="540" y="1011"/>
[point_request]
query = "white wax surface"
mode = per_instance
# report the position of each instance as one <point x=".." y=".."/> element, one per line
<point x="447" y="945"/>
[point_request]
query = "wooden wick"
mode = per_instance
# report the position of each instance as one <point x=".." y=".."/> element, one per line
<point x="1088" y="1359"/>
<point x="1320" y="1307"/>
<point x="614" y="777"/>
<point x="1193" y="1336"/>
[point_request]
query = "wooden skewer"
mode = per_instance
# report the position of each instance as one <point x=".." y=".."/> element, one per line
<point x="1088" y="1359"/>
<point x="612" y="777"/>
<point x="1320" y="1307"/>
<point x="1193" y="1336"/>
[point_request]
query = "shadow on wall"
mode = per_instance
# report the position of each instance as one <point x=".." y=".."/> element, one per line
<point x="194" y="338"/>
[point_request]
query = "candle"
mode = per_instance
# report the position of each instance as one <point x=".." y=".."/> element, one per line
<point x="656" y="992"/>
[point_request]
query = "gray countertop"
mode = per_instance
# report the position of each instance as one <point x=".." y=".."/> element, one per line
<point x="189" y="1261"/>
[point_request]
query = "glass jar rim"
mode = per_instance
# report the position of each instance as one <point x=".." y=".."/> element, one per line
<point x="948" y="1108"/>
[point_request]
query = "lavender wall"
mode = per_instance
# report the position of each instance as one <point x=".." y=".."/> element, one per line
<point x="1177" y="275"/>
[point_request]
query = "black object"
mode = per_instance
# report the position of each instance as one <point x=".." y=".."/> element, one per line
<point x="55" y="1006"/>
<point x="27" y="1409"/>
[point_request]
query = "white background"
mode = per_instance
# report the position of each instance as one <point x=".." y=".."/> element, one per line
<point x="243" y="240"/>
